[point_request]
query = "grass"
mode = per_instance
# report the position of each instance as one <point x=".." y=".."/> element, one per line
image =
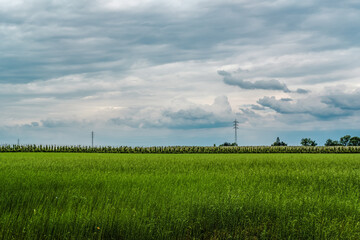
<point x="185" y="196"/>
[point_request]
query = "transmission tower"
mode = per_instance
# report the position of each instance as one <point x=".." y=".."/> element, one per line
<point x="236" y="127"/>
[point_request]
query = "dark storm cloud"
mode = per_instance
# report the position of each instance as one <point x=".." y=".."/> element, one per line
<point x="302" y="91"/>
<point x="346" y="101"/>
<point x="51" y="39"/>
<point x="260" y="84"/>
<point x="257" y="107"/>
<point x="47" y="39"/>
<point x="312" y="107"/>
<point x="272" y="84"/>
<point x="332" y="19"/>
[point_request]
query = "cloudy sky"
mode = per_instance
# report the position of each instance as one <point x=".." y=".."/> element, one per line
<point x="178" y="72"/>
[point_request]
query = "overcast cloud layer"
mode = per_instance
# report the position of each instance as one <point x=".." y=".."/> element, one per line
<point x="148" y="72"/>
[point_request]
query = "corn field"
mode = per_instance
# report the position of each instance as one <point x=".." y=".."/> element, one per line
<point x="180" y="149"/>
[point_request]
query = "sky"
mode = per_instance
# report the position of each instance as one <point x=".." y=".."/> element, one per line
<point x="178" y="72"/>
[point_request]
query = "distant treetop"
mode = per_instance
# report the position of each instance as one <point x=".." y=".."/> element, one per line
<point x="308" y="142"/>
<point x="346" y="140"/>
<point x="228" y="144"/>
<point x="278" y="143"/>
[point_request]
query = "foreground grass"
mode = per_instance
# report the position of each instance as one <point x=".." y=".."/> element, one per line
<point x="159" y="196"/>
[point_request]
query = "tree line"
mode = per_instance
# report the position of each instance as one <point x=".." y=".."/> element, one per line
<point x="346" y="140"/>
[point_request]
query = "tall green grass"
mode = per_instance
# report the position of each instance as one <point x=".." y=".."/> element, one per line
<point x="188" y="196"/>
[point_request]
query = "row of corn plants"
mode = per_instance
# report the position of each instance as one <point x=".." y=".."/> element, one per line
<point x="180" y="149"/>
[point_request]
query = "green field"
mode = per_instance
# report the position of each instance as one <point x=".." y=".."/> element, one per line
<point x="179" y="196"/>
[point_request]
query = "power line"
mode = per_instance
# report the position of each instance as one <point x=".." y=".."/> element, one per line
<point x="236" y="127"/>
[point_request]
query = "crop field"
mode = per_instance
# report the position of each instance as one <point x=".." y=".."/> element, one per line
<point x="180" y="149"/>
<point x="179" y="196"/>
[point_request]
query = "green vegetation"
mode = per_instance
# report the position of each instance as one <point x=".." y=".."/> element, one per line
<point x="182" y="149"/>
<point x="308" y="142"/>
<point x="227" y="144"/>
<point x="278" y="143"/>
<point x="184" y="196"/>
<point x="346" y="140"/>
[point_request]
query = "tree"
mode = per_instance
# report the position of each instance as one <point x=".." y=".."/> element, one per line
<point x="330" y="142"/>
<point x="345" y="140"/>
<point x="278" y="143"/>
<point x="227" y="144"/>
<point x="354" y="141"/>
<point x="308" y="142"/>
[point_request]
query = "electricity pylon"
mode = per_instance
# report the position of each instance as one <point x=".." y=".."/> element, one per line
<point x="236" y="127"/>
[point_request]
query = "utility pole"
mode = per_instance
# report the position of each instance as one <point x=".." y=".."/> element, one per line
<point x="236" y="127"/>
<point x="92" y="139"/>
